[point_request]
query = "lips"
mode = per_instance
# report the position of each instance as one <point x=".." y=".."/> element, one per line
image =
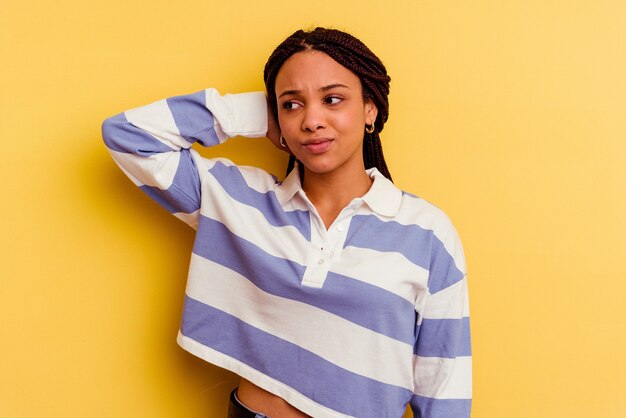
<point x="317" y="146"/>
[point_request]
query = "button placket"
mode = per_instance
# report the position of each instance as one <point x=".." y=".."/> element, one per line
<point x="326" y="247"/>
<point x="317" y="267"/>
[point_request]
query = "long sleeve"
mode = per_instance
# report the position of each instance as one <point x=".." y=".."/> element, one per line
<point x="442" y="352"/>
<point x="152" y="143"/>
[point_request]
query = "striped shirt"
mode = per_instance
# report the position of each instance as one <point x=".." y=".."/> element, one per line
<point x="355" y="320"/>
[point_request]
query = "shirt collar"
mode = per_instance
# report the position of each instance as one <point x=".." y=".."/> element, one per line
<point x="383" y="197"/>
<point x="289" y="187"/>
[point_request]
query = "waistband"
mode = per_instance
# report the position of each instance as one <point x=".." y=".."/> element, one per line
<point x="236" y="409"/>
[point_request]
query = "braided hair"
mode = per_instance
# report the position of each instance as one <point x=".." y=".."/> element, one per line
<point x="351" y="53"/>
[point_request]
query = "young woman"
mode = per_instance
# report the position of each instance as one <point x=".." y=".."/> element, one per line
<point x="331" y="293"/>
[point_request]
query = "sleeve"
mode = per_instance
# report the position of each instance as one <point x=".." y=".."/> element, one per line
<point x="442" y="352"/>
<point x="152" y="143"/>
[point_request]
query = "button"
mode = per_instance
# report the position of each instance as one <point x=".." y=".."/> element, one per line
<point x="340" y="227"/>
<point x="320" y="261"/>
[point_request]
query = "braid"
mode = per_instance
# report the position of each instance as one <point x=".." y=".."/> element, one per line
<point x="353" y="54"/>
<point x="373" y="154"/>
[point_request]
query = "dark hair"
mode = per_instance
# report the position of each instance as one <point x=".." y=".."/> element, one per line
<point x="356" y="57"/>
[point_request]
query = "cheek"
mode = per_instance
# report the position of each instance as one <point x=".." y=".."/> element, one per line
<point x="352" y="122"/>
<point x="285" y="123"/>
<point x="349" y="121"/>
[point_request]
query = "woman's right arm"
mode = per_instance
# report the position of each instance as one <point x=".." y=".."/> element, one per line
<point x="152" y="143"/>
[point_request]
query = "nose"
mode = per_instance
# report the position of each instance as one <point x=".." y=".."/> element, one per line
<point x="313" y="118"/>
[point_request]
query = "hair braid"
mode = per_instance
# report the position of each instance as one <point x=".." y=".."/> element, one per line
<point x="353" y="54"/>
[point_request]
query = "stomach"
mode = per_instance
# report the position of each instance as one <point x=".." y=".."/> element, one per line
<point x="265" y="402"/>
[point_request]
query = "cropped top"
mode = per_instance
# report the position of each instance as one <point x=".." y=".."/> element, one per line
<point x="355" y="320"/>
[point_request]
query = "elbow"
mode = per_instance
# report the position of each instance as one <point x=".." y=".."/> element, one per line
<point x="113" y="131"/>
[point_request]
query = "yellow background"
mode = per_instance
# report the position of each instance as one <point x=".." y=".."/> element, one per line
<point x="510" y="115"/>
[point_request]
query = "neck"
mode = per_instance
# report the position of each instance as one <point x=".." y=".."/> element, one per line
<point x="331" y="192"/>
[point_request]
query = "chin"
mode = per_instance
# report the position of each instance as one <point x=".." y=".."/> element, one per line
<point x="318" y="167"/>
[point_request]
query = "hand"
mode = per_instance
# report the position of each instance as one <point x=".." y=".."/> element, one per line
<point x="273" y="130"/>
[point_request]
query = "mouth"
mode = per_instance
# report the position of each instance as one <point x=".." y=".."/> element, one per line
<point x="317" y="145"/>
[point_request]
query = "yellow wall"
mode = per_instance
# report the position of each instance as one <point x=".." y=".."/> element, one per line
<point x="511" y="116"/>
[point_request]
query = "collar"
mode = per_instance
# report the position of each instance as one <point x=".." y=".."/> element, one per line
<point x="383" y="197"/>
<point x="289" y="187"/>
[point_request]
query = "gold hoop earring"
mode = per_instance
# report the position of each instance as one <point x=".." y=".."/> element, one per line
<point x="369" y="128"/>
<point x="282" y="141"/>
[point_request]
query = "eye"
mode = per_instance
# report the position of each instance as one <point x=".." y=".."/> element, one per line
<point x="290" y="105"/>
<point x="332" y="100"/>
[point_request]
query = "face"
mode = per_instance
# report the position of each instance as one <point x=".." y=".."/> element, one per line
<point x="322" y="114"/>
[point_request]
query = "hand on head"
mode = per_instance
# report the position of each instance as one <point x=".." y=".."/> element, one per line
<point x="273" y="130"/>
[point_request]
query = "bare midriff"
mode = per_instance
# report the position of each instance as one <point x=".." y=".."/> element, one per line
<point x="260" y="400"/>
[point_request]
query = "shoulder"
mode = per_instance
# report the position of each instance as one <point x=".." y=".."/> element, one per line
<point x="423" y="213"/>
<point x="224" y="171"/>
<point x="430" y="218"/>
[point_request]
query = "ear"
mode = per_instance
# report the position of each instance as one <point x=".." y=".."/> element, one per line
<point x="370" y="112"/>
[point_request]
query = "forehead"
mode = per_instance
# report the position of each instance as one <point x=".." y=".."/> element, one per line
<point x="313" y="69"/>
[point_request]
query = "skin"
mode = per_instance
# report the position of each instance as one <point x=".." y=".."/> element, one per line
<point x="322" y="117"/>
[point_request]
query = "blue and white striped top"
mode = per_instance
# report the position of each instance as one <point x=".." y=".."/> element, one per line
<point x="356" y="320"/>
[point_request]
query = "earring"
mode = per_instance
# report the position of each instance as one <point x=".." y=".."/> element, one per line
<point x="282" y="141"/>
<point x="369" y="128"/>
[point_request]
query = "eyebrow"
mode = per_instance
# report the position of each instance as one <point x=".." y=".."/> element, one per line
<point x="325" y="88"/>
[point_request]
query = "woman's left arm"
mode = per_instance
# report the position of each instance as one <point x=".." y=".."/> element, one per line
<point x="442" y="352"/>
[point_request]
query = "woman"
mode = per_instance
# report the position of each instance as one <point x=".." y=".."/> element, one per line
<point x="331" y="293"/>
